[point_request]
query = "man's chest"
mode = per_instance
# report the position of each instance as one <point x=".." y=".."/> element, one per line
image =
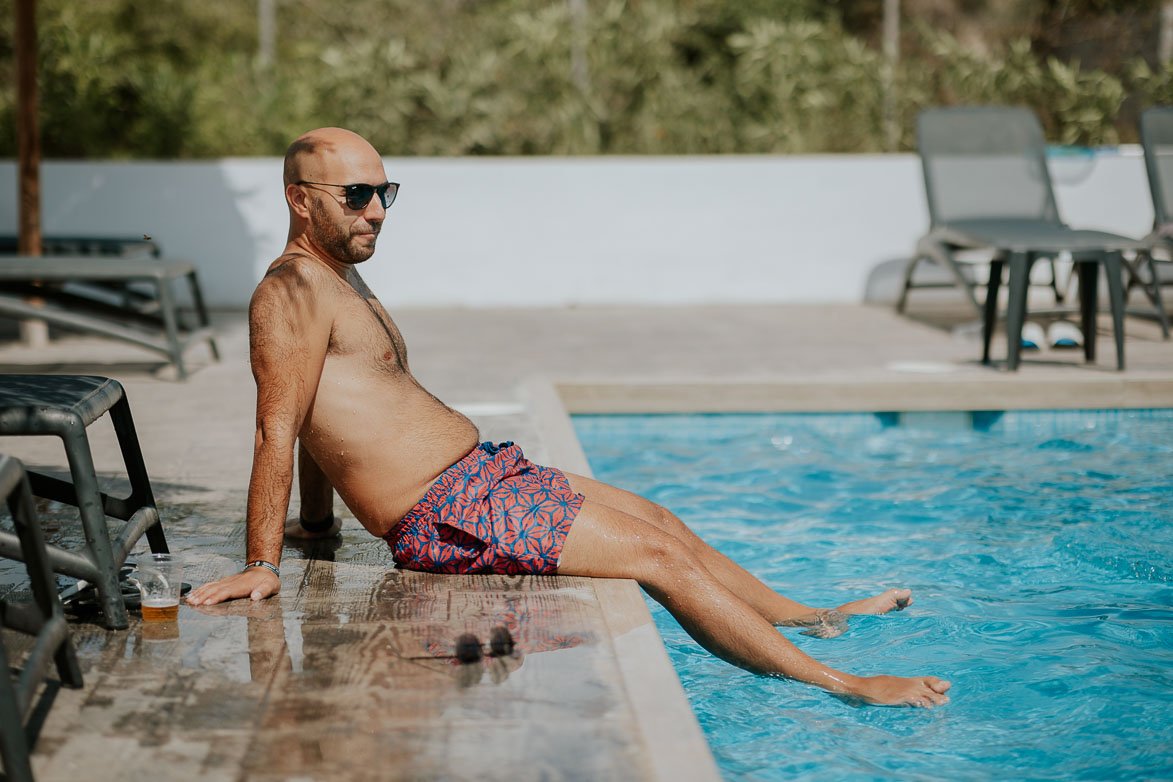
<point x="362" y="328"/>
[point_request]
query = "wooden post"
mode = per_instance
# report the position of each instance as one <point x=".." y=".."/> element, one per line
<point x="891" y="58"/>
<point x="1165" y="33"/>
<point x="266" y="32"/>
<point x="34" y="333"/>
<point x="579" y="73"/>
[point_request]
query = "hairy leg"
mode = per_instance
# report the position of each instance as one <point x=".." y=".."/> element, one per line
<point x="608" y="543"/>
<point x="776" y="608"/>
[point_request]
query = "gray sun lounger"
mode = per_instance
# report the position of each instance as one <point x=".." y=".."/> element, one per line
<point x="988" y="189"/>
<point x="43" y="618"/>
<point x="59" y="283"/>
<point x="64" y="406"/>
<point x="1156" y="136"/>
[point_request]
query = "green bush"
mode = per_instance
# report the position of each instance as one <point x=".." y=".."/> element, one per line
<point x="127" y="78"/>
<point x="1076" y="106"/>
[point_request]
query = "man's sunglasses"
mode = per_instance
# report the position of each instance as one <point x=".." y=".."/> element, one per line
<point x="358" y="196"/>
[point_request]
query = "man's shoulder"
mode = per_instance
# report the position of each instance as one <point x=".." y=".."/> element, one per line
<point x="294" y="266"/>
<point x="294" y="275"/>
<point x="294" y="285"/>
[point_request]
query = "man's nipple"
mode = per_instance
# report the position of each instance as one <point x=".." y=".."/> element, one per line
<point x="388" y="355"/>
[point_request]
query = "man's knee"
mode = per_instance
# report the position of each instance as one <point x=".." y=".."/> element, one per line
<point x="671" y="523"/>
<point x="665" y="558"/>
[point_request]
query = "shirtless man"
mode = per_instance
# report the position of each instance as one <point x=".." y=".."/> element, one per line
<point x="332" y="379"/>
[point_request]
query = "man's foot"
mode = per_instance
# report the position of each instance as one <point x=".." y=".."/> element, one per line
<point x="889" y="600"/>
<point x="823" y="623"/>
<point x="923" y="692"/>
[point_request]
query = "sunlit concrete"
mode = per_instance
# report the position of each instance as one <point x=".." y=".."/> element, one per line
<point x="345" y="675"/>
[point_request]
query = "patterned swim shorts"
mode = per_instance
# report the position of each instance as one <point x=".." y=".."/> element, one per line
<point x="494" y="511"/>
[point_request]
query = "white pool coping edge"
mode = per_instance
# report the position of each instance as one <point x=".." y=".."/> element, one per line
<point x="675" y="745"/>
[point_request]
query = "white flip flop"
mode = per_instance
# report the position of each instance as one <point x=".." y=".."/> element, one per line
<point x="1064" y="335"/>
<point x="1032" y="336"/>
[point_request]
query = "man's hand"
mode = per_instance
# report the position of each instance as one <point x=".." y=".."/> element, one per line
<point x="256" y="583"/>
<point x="294" y="530"/>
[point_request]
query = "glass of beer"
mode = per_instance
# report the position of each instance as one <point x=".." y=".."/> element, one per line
<point x="159" y="581"/>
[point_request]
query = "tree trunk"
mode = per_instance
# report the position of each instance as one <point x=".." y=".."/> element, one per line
<point x="1165" y="36"/>
<point x="891" y="58"/>
<point x="34" y="333"/>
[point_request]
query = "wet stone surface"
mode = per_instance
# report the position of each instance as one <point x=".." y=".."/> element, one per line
<point x="349" y="673"/>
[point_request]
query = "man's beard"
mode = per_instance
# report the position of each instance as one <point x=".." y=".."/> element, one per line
<point x="330" y="237"/>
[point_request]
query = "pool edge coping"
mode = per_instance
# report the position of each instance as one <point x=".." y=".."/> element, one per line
<point x="861" y="394"/>
<point x="675" y="744"/>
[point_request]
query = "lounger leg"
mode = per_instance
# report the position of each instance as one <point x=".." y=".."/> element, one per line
<point x="1155" y="293"/>
<point x="1112" y="263"/>
<point x="93" y="521"/>
<point x="14" y="748"/>
<point x="903" y="300"/>
<point x="990" y="318"/>
<point x="1020" y="263"/>
<point x="136" y="469"/>
<point x="48" y="605"/>
<point x="941" y="255"/>
<point x="167" y="305"/>
<point x="1089" y="278"/>
<point x="934" y="251"/>
<point x="1059" y="295"/>
<point x="197" y="298"/>
<point x="43" y="618"/>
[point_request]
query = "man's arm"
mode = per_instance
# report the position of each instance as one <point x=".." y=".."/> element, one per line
<point x="289" y="331"/>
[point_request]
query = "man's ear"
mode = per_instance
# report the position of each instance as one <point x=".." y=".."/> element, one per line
<point x="298" y="200"/>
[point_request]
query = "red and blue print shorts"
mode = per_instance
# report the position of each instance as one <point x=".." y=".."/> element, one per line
<point x="494" y="511"/>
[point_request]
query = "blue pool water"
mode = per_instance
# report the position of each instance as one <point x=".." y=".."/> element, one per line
<point x="1039" y="547"/>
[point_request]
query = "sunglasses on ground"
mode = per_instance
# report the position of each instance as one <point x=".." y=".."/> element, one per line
<point x="358" y="196"/>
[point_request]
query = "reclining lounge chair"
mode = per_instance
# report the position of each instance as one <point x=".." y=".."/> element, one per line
<point x="988" y="188"/>
<point x="118" y="288"/>
<point x="1152" y="270"/>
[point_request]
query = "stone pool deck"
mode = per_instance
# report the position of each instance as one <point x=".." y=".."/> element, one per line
<point x="342" y="677"/>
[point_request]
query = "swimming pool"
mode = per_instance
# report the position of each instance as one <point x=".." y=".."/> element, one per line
<point x="1039" y="547"/>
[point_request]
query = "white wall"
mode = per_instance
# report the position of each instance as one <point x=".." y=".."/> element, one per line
<point x="560" y="231"/>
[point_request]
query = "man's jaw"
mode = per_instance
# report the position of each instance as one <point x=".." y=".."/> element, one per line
<point x="365" y="241"/>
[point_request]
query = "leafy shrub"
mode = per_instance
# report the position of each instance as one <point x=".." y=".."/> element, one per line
<point x="170" y="78"/>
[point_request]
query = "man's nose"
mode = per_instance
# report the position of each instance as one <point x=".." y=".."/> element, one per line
<point x="374" y="212"/>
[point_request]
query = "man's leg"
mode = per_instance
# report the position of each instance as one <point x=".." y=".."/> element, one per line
<point x="608" y="543"/>
<point x="774" y="607"/>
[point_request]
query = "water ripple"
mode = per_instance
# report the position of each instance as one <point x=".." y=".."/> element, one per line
<point x="1040" y="552"/>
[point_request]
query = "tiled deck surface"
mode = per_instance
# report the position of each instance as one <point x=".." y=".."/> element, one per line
<point x="338" y="678"/>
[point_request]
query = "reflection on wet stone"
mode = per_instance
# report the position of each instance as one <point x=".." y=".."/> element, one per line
<point x="349" y="673"/>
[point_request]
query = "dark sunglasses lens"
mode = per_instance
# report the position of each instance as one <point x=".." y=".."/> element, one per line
<point x="358" y="196"/>
<point x="387" y="194"/>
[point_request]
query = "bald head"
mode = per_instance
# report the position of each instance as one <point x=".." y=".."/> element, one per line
<point x="319" y="152"/>
<point x="319" y="168"/>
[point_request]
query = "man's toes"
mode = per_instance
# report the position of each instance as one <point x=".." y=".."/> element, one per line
<point x="938" y="685"/>
<point x="901" y="598"/>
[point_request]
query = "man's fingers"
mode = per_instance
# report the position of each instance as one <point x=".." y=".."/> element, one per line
<point x="261" y="592"/>
<point x="252" y="583"/>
